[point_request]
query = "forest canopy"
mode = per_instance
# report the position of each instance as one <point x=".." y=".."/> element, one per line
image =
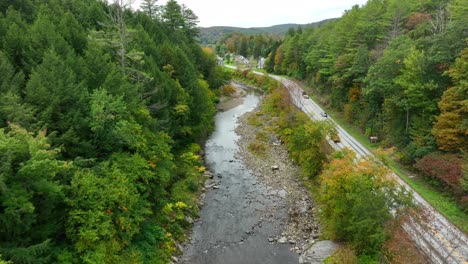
<point x="394" y="69"/>
<point x="101" y="112"/>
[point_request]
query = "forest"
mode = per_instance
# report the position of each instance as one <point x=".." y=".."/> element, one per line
<point x="395" y="69"/>
<point x="104" y="110"/>
<point x="102" y="114"/>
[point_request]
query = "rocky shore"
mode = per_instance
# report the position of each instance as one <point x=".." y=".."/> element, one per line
<point x="276" y="170"/>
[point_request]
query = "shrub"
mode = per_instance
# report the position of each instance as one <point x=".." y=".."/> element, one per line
<point x="356" y="202"/>
<point x="228" y="89"/>
<point x="447" y="168"/>
<point x="261" y="136"/>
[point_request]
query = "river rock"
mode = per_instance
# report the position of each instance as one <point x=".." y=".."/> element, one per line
<point x="189" y="219"/>
<point x="318" y="252"/>
<point x="208" y="174"/>
<point x="282" y="240"/>
<point x="179" y="247"/>
<point x="282" y="193"/>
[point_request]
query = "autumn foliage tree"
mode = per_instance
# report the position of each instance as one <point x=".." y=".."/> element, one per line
<point x="394" y="53"/>
<point x="451" y="127"/>
<point x="357" y="201"/>
<point x="446" y="168"/>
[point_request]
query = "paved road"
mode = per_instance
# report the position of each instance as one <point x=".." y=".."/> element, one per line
<point x="441" y="241"/>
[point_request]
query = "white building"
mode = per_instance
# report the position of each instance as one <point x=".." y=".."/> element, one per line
<point x="261" y="63"/>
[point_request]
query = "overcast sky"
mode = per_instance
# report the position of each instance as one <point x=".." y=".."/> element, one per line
<point x="264" y="13"/>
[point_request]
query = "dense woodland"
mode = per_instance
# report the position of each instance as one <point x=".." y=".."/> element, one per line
<point x="396" y="69"/>
<point x="213" y="35"/>
<point x="101" y="111"/>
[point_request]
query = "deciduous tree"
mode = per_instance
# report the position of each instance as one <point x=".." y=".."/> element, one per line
<point x="357" y="201"/>
<point x="451" y="127"/>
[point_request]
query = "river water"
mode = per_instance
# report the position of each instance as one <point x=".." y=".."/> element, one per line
<point x="240" y="215"/>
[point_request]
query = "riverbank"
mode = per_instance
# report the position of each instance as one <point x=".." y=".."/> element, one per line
<point x="254" y="206"/>
<point x="266" y="155"/>
<point x="276" y="170"/>
<point x="273" y="167"/>
<point x="235" y="98"/>
<point x="239" y="215"/>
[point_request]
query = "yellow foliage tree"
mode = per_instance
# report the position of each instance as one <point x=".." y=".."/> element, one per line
<point x="451" y="127"/>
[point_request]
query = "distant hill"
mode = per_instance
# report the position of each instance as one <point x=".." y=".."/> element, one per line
<point x="211" y="35"/>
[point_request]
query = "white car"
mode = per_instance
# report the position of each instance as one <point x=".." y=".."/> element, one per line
<point x="324" y="114"/>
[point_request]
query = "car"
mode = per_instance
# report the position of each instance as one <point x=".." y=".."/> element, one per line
<point x="305" y="96"/>
<point x="324" y="114"/>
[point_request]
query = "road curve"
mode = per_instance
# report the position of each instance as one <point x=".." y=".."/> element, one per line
<point x="437" y="238"/>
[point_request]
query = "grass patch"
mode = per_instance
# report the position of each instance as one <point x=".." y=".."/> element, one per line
<point x="254" y="120"/>
<point x="261" y="136"/>
<point x="257" y="148"/>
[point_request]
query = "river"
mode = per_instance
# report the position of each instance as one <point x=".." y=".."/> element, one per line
<point x="240" y="214"/>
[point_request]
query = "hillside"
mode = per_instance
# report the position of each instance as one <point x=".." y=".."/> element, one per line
<point x="98" y="153"/>
<point x="211" y="35"/>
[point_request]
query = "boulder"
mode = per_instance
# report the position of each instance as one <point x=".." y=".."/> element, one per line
<point x="318" y="252"/>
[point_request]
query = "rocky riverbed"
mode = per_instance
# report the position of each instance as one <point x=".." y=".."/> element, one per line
<point x="274" y="168"/>
<point x="255" y="208"/>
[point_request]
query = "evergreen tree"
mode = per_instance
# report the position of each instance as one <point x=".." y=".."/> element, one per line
<point x="150" y="8"/>
<point x="31" y="196"/>
<point x="113" y="96"/>
<point x="172" y="15"/>
<point x="190" y="22"/>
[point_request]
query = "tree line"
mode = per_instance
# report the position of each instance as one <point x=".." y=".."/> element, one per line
<point x="398" y="71"/>
<point x="101" y="111"/>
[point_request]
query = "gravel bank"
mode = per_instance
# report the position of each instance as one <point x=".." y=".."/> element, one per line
<point x="276" y="170"/>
